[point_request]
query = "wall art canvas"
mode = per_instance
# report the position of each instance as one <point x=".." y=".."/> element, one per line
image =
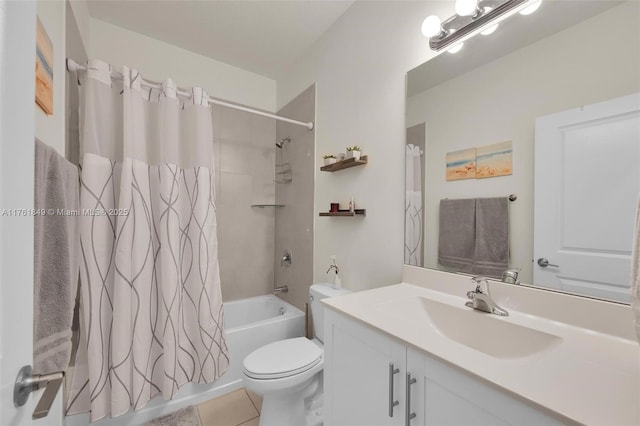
<point x="44" y="70"/>
<point x="494" y="160"/>
<point x="461" y="164"/>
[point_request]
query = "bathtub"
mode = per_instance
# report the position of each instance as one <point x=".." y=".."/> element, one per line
<point x="249" y="324"/>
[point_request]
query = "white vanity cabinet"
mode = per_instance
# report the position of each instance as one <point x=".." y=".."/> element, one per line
<point x="359" y="387"/>
<point x="363" y="374"/>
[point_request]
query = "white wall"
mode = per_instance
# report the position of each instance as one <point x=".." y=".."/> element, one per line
<point x="50" y="128"/>
<point x="83" y="19"/>
<point x="157" y="60"/>
<point x="500" y="101"/>
<point x="359" y="66"/>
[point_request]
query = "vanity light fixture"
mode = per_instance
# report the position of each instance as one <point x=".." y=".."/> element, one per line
<point x="472" y="17"/>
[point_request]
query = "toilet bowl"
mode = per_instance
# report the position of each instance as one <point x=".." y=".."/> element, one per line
<point x="288" y="372"/>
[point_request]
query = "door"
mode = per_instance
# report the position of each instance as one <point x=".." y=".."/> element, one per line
<point x="17" y="94"/>
<point x="364" y="374"/>
<point x="587" y="180"/>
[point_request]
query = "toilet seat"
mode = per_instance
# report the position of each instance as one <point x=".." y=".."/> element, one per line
<point x="281" y="359"/>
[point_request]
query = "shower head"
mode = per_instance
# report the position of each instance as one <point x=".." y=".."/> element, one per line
<point x="282" y="142"/>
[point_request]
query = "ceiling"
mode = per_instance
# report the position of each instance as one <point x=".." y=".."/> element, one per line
<point x="264" y="36"/>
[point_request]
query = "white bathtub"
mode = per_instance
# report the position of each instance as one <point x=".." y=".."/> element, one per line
<point x="249" y="324"/>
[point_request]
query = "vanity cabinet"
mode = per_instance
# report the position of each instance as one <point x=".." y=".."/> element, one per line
<point x="359" y="385"/>
<point x="363" y="373"/>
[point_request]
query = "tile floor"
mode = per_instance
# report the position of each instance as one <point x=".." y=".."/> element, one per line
<point x="239" y="408"/>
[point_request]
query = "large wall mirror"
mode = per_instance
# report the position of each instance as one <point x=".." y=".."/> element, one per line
<point x="547" y="109"/>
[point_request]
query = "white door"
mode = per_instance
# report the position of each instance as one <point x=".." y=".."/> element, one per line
<point x="17" y="108"/>
<point x="587" y="181"/>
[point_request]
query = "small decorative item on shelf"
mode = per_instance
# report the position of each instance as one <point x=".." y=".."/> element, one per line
<point x="335" y="207"/>
<point x="329" y="159"/>
<point x="342" y="156"/>
<point x="354" y="152"/>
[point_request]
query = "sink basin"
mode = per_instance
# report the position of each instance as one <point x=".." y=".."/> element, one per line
<point x="484" y="332"/>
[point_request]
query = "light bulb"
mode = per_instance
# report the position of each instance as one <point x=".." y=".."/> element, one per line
<point x="466" y="7"/>
<point x="456" y="48"/>
<point x="490" y="30"/>
<point x="532" y="8"/>
<point x="431" y="26"/>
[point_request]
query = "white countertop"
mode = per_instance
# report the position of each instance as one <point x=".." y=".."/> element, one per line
<point x="589" y="378"/>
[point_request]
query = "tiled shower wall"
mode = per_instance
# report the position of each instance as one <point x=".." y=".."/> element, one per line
<point x="244" y="149"/>
<point x="294" y="221"/>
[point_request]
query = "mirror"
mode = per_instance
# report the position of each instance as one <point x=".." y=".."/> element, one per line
<point x="551" y="100"/>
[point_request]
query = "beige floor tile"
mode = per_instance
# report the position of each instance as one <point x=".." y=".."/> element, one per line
<point x="252" y="422"/>
<point x="256" y="399"/>
<point x="228" y="410"/>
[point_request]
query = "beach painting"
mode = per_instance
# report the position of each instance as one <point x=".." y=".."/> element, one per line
<point x="44" y="70"/>
<point x="494" y="160"/>
<point x="461" y="164"/>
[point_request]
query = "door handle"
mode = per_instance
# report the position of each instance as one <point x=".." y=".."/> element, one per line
<point x="392" y="402"/>
<point x="27" y="382"/>
<point x="543" y="263"/>
<point x="408" y="414"/>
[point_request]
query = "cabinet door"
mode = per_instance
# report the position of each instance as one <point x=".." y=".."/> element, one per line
<point x="451" y="397"/>
<point x="358" y="383"/>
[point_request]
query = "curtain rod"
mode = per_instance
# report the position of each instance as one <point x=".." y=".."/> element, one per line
<point x="73" y="66"/>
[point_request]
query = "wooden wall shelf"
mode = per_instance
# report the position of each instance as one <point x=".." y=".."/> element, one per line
<point x="345" y="164"/>
<point x="358" y="212"/>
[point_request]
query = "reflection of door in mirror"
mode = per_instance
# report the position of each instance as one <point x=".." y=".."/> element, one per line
<point x="414" y="197"/>
<point x="587" y="180"/>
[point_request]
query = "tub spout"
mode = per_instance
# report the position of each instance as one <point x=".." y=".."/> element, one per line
<point x="281" y="289"/>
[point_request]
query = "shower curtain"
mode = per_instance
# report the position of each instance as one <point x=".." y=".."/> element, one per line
<point x="413" y="207"/>
<point x="150" y="283"/>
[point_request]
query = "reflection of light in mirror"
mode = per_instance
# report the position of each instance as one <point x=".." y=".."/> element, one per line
<point x="490" y="30"/>
<point x="530" y="9"/>
<point x="431" y="26"/>
<point x="466" y="7"/>
<point x="456" y="48"/>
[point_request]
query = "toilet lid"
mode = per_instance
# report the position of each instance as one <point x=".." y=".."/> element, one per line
<point x="282" y="359"/>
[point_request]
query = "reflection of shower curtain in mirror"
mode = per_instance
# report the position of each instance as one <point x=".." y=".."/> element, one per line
<point x="150" y="280"/>
<point x="413" y="207"/>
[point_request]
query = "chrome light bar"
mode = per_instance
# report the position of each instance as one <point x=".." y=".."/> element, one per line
<point x="458" y="28"/>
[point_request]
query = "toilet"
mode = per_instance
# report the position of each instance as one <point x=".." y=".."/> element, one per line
<point x="289" y="371"/>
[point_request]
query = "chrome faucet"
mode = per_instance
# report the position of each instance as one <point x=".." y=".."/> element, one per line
<point x="281" y="289"/>
<point x="481" y="300"/>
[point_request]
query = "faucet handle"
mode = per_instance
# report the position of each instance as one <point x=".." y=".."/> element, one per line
<point x="478" y="280"/>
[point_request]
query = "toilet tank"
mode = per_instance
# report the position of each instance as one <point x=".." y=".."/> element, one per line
<point x="318" y="292"/>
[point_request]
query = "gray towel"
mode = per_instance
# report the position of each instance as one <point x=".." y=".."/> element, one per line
<point x="457" y="234"/>
<point x="491" y="255"/>
<point x="474" y="235"/>
<point x="56" y="259"/>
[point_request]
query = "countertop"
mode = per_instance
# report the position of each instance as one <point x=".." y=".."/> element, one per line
<point x="588" y="378"/>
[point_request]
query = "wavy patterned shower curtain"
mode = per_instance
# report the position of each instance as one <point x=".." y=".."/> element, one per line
<point x="150" y="275"/>
<point x="413" y="207"/>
